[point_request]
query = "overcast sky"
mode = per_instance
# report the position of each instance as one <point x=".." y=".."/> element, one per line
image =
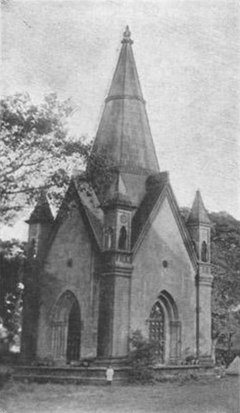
<point x="188" y="60"/>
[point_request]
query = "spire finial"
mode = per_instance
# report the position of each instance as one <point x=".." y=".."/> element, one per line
<point x="127" y="36"/>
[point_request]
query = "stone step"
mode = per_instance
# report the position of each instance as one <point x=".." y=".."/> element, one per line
<point x="97" y="375"/>
<point x="69" y="374"/>
<point x="63" y="379"/>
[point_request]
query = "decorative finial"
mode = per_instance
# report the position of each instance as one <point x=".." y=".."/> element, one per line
<point x="127" y="36"/>
<point x="127" y="32"/>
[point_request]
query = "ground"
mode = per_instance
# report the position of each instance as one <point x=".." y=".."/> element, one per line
<point x="210" y="395"/>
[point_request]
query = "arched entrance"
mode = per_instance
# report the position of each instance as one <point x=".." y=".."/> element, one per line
<point x="165" y="329"/>
<point x="66" y="329"/>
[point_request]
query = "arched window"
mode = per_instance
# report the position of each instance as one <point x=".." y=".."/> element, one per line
<point x="122" y="241"/>
<point x="108" y="238"/>
<point x="165" y="329"/>
<point x="204" y="252"/>
<point x="74" y="333"/>
<point x="157" y="330"/>
<point x="194" y="244"/>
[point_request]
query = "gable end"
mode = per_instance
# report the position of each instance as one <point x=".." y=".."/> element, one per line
<point x="168" y="193"/>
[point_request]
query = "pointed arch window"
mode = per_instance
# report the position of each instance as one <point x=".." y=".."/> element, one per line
<point x="157" y="330"/>
<point x="122" y="241"/>
<point x="204" y="252"/>
<point x="108" y="238"/>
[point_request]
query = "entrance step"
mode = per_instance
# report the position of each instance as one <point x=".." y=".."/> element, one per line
<point x="97" y="374"/>
<point x="76" y="375"/>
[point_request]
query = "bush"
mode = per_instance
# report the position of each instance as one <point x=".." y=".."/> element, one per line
<point x="5" y="375"/>
<point x="142" y="358"/>
<point x="225" y="357"/>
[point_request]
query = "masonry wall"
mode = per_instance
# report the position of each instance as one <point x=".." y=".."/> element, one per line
<point x="163" y="242"/>
<point x="70" y="266"/>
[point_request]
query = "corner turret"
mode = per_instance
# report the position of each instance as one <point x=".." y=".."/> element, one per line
<point x="40" y="225"/>
<point x="199" y="226"/>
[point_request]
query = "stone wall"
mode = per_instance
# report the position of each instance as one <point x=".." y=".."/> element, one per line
<point x="70" y="266"/>
<point x="163" y="263"/>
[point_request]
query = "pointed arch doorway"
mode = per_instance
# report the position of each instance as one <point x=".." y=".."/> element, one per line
<point x="66" y="329"/>
<point x="165" y="329"/>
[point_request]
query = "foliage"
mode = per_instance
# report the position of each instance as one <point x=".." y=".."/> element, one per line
<point x="226" y="284"/>
<point x="36" y="154"/>
<point x="225" y="304"/>
<point x="36" y="151"/>
<point x="142" y="358"/>
<point x="226" y="241"/>
<point x="100" y="172"/>
<point x="4" y="378"/>
<point x="11" y="287"/>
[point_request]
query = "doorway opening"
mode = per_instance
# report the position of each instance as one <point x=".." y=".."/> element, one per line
<point x="66" y="329"/>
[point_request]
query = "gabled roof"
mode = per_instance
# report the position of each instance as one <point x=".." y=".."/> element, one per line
<point x="42" y="213"/>
<point x="124" y="134"/>
<point x="91" y="207"/>
<point x="198" y="213"/>
<point x="149" y="208"/>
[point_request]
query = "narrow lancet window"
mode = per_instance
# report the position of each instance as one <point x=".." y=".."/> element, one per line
<point x="204" y="252"/>
<point x="108" y="241"/>
<point x="122" y="241"/>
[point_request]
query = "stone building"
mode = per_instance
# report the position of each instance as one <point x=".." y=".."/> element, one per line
<point x="121" y="258"/>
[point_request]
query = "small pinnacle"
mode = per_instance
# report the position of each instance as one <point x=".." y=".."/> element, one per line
<point x="127" y="32"/>
<point x="127" y="36"/>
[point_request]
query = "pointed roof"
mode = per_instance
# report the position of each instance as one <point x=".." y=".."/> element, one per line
<point x="158" y="189"/>
<point x="198" y="213"/>
<point x="42" y="213"/>
<point x="124" y="134"/>
<point x="125" y="81"/>
<point x="117" y="193"/>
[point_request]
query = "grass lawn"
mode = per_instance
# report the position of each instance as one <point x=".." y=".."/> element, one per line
<point x="203" y="396"/>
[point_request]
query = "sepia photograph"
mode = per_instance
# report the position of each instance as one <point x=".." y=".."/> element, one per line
<point x="120" y="206"/>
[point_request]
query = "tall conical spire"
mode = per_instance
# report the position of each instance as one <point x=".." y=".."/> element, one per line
<point x="125" y="82"/>
<point x="198" y="213"/>
<point x="124" y="134"/>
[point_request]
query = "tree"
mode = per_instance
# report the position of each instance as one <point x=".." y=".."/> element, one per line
<point x="36" y="151"/>
<point x="226" y="283"/>
<point x="225" y="312"/>
<point x="12" y="258"/>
